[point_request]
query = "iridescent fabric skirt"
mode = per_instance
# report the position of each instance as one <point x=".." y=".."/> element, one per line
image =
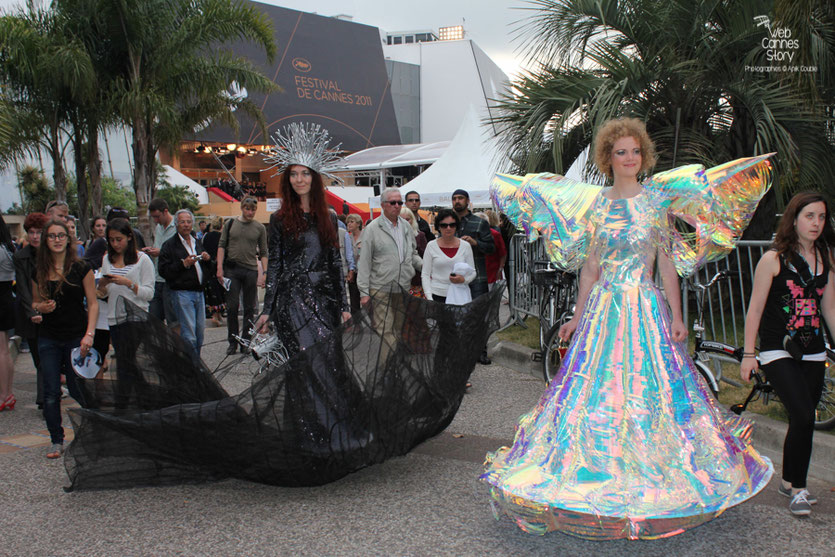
<point x="627" y="442"/>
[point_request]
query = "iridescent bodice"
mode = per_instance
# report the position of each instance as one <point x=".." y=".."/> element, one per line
<point x="624" y="239"/>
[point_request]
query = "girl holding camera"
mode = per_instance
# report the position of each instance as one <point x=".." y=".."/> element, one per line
<point x="793" y="293"/>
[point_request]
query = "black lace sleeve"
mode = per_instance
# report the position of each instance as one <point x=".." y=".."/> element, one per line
<point x="274" y="265"/>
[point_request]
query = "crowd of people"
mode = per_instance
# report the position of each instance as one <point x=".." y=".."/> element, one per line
<point x="319" y="269"/>
<point x="242" y="189"/>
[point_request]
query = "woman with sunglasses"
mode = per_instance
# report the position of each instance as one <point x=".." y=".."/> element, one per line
<point x="61" y="286"/>
<point x="442" y="254"/>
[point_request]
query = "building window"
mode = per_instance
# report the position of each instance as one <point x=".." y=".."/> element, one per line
<point x="398" y="40"/>
<point x="388" y="39"/>
<point x="410" y="39"/>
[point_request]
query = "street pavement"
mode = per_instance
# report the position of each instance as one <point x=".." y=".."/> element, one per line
<point x="428" y="502"/>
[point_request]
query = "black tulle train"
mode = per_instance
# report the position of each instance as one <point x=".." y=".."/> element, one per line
<point x="361" y="396"/>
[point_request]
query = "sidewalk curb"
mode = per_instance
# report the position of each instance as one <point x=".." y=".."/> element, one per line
<point x="768" y="434"/>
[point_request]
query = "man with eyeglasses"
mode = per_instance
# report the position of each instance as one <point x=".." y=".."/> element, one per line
<point x="413" y="203"/>
<point x="388" y="263"/>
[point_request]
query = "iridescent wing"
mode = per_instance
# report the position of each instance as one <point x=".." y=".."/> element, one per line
<point x="707" y="209"/>
<point x="551" y="206"/>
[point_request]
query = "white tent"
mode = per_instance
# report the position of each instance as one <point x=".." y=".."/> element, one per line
<point x="468" y="163"/>
<point x="390" y="156"/>
<point x="177" y="178"/>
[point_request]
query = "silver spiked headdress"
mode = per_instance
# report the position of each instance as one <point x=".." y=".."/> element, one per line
<point x="307" y="145"/>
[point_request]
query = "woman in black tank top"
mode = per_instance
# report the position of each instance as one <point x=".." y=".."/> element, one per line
<point x="792" y="297"/>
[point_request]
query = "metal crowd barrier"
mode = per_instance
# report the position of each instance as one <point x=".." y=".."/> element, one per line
<point x="727" y="302"/>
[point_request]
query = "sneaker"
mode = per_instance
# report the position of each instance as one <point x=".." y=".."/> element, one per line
<point x="787" y="492"/>
<point x="800" y="504"/>
<point x="65" y="392"/>
<point x="55" y="451"/>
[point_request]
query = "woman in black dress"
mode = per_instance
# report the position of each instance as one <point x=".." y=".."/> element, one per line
<point x="305" y="285"/>
<point x="306" y="299"/>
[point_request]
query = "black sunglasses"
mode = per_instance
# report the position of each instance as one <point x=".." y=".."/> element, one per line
<point x="393" y="203"/>
<point x="447" y="225"/>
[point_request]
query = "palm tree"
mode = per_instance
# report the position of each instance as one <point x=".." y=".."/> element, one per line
<point x="168" y="71"/>
<point x="678" y="65"/>
<point x="41" y="70"/>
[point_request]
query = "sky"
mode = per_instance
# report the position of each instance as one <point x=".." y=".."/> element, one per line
<point x="489" y="23"/>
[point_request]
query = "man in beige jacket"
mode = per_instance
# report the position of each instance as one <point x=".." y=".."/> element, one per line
<point x="388" y="263"/>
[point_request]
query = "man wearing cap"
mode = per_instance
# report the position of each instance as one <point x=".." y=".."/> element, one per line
<point x="475" y="232"/>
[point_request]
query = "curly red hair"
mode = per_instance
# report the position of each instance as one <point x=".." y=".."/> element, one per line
<point x="611" y="131"/>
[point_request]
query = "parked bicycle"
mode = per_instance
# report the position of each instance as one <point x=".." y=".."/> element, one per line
<point x="266" y="348"/>
<point x="556" y="306"/>
<point x="708" y="355"/>
<point x="708" y="352"/>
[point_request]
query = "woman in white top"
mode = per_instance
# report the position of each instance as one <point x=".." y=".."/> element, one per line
<point x="126" y="272"/>
<point x="442" y="254"/>
<point x="129" y="274"/>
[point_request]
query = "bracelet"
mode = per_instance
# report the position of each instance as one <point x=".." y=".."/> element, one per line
<point x="752" y="354"/>
<point x="89" y="335"/>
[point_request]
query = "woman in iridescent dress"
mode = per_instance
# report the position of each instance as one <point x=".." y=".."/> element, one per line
<point x="628" y="441"/>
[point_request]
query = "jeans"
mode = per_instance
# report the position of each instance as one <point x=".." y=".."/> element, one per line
<point x="191" y="313"/>
<point x="55" y="360"/>
<point x="162" y="306"/>
<point x="246" y="280"/>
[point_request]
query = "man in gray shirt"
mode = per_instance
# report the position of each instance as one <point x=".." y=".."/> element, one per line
<point x="161" y="305"/>
<point x="242" y="241"/>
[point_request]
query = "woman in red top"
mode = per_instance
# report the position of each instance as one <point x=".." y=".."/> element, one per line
<point x="494" y="261"/>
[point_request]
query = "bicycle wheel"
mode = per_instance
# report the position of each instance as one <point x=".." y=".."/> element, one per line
<point x="707" y="375"/>
<point x="825" y="412"/>
<point x="553" y="352"/>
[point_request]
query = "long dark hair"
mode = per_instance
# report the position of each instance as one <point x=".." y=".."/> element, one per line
<point x="6" y="236"/>
<point x="291" y="215"/>
<point x="123" y="227"/>
<point x="43" y="258"/>
<point x="785" y="241"/>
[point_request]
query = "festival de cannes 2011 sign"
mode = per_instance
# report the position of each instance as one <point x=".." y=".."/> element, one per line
<point x="331" y="72"/>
